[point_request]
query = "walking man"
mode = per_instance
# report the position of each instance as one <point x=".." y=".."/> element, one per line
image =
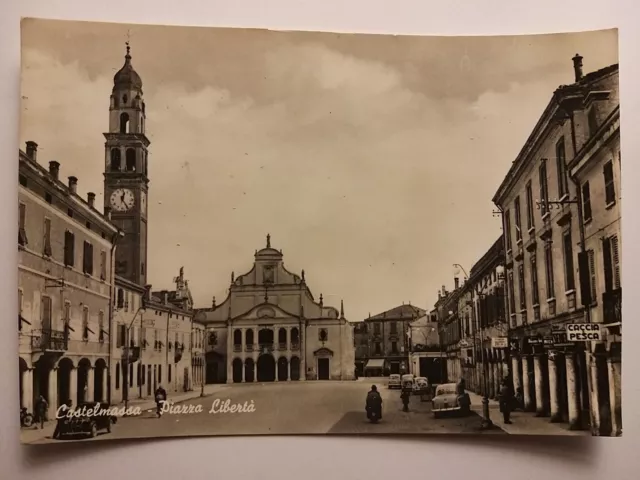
<point x="41" y="411"/>
<point x="506" y="401"/>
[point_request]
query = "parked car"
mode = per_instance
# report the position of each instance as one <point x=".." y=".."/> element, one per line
<point x="407" y="381"/>
<point x="87" y="424"/>
<point x="394" y="381"/>
<point x="421" y="386"/>
<point x="448" y="400"/>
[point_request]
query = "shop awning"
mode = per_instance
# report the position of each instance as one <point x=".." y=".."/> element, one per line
<point x="375" y="363"/>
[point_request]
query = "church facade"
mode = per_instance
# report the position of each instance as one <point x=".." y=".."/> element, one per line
<point x="270" y="329"/>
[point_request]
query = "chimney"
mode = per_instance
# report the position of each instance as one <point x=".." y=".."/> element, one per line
<point x="444" y="291"/>
<point x="577" y="67"/>
<point x="32" y="150"/>
<point x="91" y="199"/>
<point x="456" y="282"/>
<point x="165" y="297"/>
<point x="54" y="169"/>
<point x="73" y="184"/>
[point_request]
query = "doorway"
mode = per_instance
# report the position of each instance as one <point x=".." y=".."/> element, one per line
<point x="266" y="368"/>
<point x="323" y="369"/>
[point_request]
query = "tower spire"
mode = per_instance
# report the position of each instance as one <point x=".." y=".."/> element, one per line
<point x="341" y="308"/>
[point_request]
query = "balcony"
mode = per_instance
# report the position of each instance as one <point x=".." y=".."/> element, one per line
<point x="237" y="347"/>
<point x="47" y="340"/>
<point x="295" y="347"/>
<point x="612" y="306"/>
<point x="266" y="347"/>
<point x="282" y="346"/>
<point x="248" y="348"/>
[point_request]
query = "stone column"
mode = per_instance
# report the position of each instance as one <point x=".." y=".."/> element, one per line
<point x="90" y="385"/>
<point x="540" y="410"/>
<point x="615" y="395"/>
<point x="303" y="352"/>
<point x="288" y="368"/>
<point x="27" y="390"/>
<point x="490" y="380"/>
<point x="573" y="396"/>
<point x="594" y="400"/>
<point x="53" y="394"/>
<point x="497" y="377"/>
<point x="515" y="374"/>
<point x="556" y="414"/>
<point x="526" y="383"/>
<point x="230" y="353"/>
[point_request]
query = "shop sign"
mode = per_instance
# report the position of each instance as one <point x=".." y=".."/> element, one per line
<point x="534" y="341"/>
<point x="548" y="341"/>
<point x="499" y="342"/>
<point x="584" y="332"/>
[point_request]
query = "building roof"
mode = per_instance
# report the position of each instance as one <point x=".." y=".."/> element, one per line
<point x="127" y="78"/>
<point x="494" y="254"/>
<point x="403" y="311"/>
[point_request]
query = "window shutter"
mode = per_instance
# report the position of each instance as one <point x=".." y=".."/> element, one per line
<point x="592" y="272"/>
<point x="585" y="278"/>
<point x="616" y="261"/>
<point x="607" y="259"/>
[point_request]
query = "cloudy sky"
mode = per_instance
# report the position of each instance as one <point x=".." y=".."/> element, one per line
<point x="370" y="159"/>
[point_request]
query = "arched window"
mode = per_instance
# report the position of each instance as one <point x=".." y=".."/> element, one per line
<point x="120" y="302"/>
<point x="146" y="164"/>
<point x="131" y="160"/>
<point x="237" y="337"/>
<point x="124" y="122"/>
<point x="124" y="99"/>
<point x="115" y="159"/>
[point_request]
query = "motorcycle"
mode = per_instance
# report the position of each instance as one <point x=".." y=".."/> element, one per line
<point x="26" y="419"/>
<point x="374" y="414"/>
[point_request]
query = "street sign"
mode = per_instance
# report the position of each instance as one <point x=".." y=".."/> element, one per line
<point x="499" y="342"/>
<point x="584" y="332"/>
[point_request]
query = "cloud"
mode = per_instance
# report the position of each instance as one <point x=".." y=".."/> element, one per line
<point x="374" y="186"/>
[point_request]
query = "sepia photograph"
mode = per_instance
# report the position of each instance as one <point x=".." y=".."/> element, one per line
<point x="228" y="231"/>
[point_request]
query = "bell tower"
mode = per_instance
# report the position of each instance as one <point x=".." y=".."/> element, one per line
<point x="126" y="182"/>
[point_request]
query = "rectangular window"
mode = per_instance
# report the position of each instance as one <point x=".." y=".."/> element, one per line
<point x="548" y="261"/>
<point x="376" y="328"/>
<point x="69" y="248"/>
<point x="45" y="313"/>
<point x="544" y="188"/>
<point x="523" y="292"/>
<point x="530" y="220"/>
<point x="47" y="237"/>
<point x="592" y="274"/>
<point x="87" y="259"/>
<point x="67" y="315"/>
<point x="512" y="295"/>
<point x="22" y="220"/>
<point x="611" y="260"/>
<point x="563" y="184"/>
<point x="518" y="218"/>
<point x="535" y="294"/>
<point x="394" y="328"/>
<point x="103" y="265"/>
<point x="507" y="229"/>
<point x="586" y="202"/>
<point x="101" y="327"/>
<point x="569" y="277"/>
<point x="85" y="324"/>
<point x="378" y="349"/>
<point x="609" y="185"/>
<point x="394" y="347"/>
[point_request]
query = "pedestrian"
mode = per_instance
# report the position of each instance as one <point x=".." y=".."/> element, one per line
<point x="405" y="395"/>
<point x="506" y="401"/>
<point x="41" y="411"/>
<point x="161" y="398"/>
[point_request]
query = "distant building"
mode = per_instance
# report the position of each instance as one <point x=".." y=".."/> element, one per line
<point x="425" y="354"/>
<point x="386" y="336"/>
<point x="271" y="328"/>
<point x="65" y="281"/>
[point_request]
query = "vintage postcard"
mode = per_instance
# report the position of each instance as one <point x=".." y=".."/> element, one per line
<point x="238" y="232"/>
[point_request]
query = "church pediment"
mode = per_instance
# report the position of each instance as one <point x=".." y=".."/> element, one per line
<point x="266" y="312"/>
<point x="323" y="352"/>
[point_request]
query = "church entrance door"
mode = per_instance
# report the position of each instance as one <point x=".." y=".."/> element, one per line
<point x="323" y="369"/>
<point x="266" y="368"/>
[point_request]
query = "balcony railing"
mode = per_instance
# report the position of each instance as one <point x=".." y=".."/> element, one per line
<point x="47" y="340"/>
<point x="612" y="306"/>
<point x="237" y="347"/>
<point x="266" y="347"/>
<point x="282" y="346"/>
<point x="295" y="346"/>
<point x="248" y="348"/>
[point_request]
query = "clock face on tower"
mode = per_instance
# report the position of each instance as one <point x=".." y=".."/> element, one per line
<point x="122" y="200"/>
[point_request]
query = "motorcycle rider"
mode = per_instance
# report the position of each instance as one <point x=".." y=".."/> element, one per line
<point x="374" y="403"/>
<point x="161" y="397"/>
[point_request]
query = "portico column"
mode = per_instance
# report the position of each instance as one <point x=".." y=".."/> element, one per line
<point x="556" y="415"/>
<point x="288" y="368"/>
<point x="540" y="410"/>
<point x="492" y="391"/>
<point x="615" y="392"/>
<point x="303" y="352"/>
<point x="90" y="385"/>
<point x="27" y="390"/>
<point x="572" y="393"/>
<point x="229" y="356"/>
<point x="515" y="374"/>
<point x="105" y="377"/>
<point x="497" y="377"/>
<point x="243" y="341"/>
<point x="526" y="383"/>
<point x="53" y="394"/>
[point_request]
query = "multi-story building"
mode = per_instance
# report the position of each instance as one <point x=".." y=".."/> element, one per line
<point x="595" y="167"/>
<point x="424" y="349"/>
<point x="487" y="328"/>
<point x="446" y="314"/>
<point x="543" y="234"/>
<point x="387" y="340"/>
<point x="65" y="280"/>
<point x="361" y="344"/>
<point x="270" y="328"/>
<point x="152" y="331"/>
